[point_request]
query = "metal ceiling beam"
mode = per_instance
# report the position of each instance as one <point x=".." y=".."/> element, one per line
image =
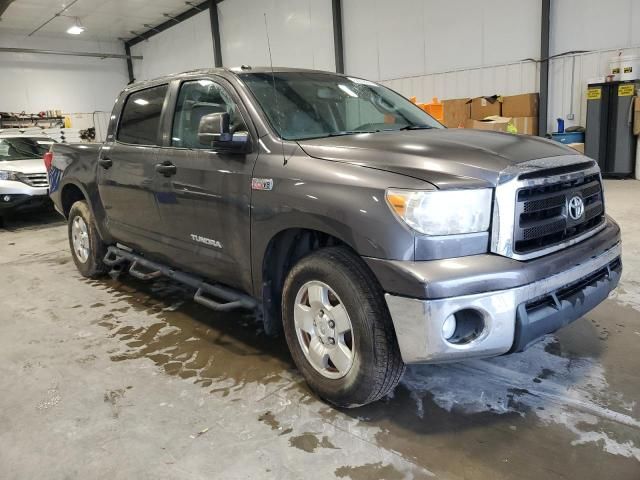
<point x="215" y="33"/>
<point x="64" y="9"/>
<point x="127" y="50"/>
<point x="336" y="10"/>
<point x="545" y="29"/>
<point x="194" y="10"/>
<point x="67" y="53"/>
<point x="4" y="4"/>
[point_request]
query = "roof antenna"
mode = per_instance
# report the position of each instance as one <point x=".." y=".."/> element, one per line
<point x="275" y="92"/>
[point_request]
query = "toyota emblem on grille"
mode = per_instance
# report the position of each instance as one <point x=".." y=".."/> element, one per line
<point x="576" y="207"/>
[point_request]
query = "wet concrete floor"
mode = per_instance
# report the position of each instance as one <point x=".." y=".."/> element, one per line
<point x="118" y="378"/>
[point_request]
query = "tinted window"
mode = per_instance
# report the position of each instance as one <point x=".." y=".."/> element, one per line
<point x="140" y="117"/>
<point x="306" y="105"/>
<point x="197" y="99"/>
<point x="23" y="148"/>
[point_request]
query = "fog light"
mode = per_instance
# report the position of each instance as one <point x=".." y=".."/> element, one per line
<point x="463" y="326"/>
<point x="449" y="327"/>
<point x="6" y="198"/>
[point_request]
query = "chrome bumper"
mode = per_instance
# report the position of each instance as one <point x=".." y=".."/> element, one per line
<point x="418" y="323"/>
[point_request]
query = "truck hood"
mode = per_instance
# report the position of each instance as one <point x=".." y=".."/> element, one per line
<point x="446" y="158"/>
<point x="32" y="165"/>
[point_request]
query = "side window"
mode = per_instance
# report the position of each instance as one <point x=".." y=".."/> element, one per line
<point x="197" y="99"/>
<point x="140" y="118"/>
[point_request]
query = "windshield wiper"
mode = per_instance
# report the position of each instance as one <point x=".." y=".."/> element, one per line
<point x="417" y="127"/>
<point x="348" y="132"/>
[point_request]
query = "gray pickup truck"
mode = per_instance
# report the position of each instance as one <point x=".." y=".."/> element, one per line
<point x="343" y="214"/>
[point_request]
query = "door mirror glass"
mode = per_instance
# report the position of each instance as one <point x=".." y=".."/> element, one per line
<point x="214" y="127"/>
<point x="215" y="130"/>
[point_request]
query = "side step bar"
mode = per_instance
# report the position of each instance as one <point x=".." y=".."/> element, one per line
<point x="232" y="298"/>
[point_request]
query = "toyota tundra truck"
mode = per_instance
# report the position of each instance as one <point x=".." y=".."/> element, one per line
<point x="344" y="215"/>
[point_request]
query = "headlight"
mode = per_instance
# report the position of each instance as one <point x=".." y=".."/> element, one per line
<point x="9" y="175"/>
<point x="443" y="212"/>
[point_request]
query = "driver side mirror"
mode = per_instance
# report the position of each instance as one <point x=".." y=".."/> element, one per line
<point x="214" y="130"/>
<point x="214" y="127"/>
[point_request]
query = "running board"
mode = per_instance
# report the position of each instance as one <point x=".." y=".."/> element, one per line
<point x="232" y="299"/>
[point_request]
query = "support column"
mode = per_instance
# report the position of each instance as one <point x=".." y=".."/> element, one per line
<point x="543" y="110"/>
<point x="127" y="50"/>
<point x="336" y="10"/>
<point x="215" y="33"/>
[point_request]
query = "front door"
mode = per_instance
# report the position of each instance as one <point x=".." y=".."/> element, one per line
<point x="126" y="171"/>
<point x="205" y="202"/>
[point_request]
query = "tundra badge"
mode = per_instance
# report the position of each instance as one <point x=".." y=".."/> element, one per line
<point x="206" y="241"/>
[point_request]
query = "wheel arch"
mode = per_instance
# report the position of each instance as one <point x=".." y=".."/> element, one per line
<point x="282" y="252"/>
<point x="71" y="193"/>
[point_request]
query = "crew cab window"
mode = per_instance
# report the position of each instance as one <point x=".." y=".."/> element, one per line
<point x="140" y="118"/>
<point x="197" y="99"/>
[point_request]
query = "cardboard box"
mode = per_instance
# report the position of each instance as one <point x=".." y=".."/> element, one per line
<point x="578" y="147"/>
<point x="483" y="107"/>
<point x="494" y="123"/>
<point x="636" y="117"/>
<point x="526" y="125"/>
<point x="456" y="112"/>
<point x="525" y="105"/>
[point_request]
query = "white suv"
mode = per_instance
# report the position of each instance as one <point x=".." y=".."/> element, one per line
<point x="23" y="177"/>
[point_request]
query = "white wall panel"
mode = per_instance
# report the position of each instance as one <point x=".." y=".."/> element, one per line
<point x="300" y="32"/>
<point x="453" y="35"/>
<point x="360" y="38"/>
<point x="593" y="24"/>
<point x="401" y="39"/>
<point x="501" y="79"/>
<point x="33" y="82"/>
<point x="406" y="38"/>
<point x="186" y="46"/>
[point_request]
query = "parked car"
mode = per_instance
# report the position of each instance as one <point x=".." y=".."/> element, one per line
<point x="373" y="236"/>
<point x="23" y="177"/>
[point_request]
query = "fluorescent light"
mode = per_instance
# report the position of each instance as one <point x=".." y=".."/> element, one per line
<point x="141" y="101"/>
<point x="76" y="28"/>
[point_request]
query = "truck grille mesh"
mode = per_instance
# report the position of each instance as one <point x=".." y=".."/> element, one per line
<point x="542" y="217"/>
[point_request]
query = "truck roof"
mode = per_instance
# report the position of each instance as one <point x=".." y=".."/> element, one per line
<point x="227" y="71"/>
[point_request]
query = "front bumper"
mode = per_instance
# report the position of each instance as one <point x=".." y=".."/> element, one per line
<point x="514" y="318"/>
<point x="20" y="196"/>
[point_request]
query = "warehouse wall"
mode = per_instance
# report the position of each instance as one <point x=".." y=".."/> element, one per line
<point x="444" y="48"/>
<point x="32" y="83"/>
<point x="186" y="46"/>
<point x="300" y="31"/>
<point x="606" y="28"/>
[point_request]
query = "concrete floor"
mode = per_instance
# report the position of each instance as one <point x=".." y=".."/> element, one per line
<point x="121" y="379"/>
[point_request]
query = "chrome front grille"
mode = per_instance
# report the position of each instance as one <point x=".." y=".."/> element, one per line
<point x="531" y="213"/>
<point x="39" y="180"/>
<point x="542" y="217"/>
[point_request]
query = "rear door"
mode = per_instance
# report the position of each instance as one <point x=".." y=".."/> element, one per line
<point x="205" y="205"/>
<point x="126" y="170"/>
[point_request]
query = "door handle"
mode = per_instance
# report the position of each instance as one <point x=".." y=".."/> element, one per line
<point x="105" y="163"/>
<point x="166" y="168"/>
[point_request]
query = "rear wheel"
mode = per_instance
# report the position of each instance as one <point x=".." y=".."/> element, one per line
<point x="339" y="330"/>
<point x="87" y="248"/>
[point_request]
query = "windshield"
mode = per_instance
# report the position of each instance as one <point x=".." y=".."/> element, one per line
<point x="23" y="148"/>
<point x="313" y="105"/>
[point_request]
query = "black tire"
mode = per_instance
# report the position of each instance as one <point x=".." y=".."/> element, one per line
<point x="93" y="267"/>
<point x="377" y="364"/>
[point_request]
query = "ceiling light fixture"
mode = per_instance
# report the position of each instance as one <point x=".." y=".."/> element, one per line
<point x="76" y="28"/>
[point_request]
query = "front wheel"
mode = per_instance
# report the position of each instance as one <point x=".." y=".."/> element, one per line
<point x="339" y="330"/>
<point x="87" y="248"/>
